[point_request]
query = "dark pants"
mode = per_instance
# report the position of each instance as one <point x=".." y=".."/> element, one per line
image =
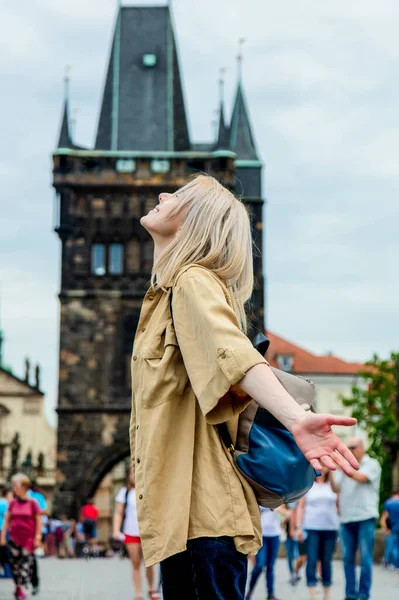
<point x="266" y="559"/>
<point x="210" y="569"/>
<point x="291" y="549"/>
<point x="5" y="562"/>
<point x="21" y="563"/>
<point x="35" y="573"/>
<point x="320" y="546"/>
<point x="354" y="536"/>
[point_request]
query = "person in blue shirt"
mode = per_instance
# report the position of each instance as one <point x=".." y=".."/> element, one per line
<point x="3" y="507"/>
<point x="391" y="514"/>
<point x="40" y="498"/>
<point x="4" y="551"/>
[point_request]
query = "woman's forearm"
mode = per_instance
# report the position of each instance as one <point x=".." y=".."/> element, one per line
<point x="118" y="517"/>
<point x="262" y="385"/>
<point x="38" y="526"/>
<point x="299" y="513"/>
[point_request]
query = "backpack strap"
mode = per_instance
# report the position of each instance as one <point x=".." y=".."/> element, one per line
<point x="226" y="437"/>
<point x="125" y="507"/>
<point x="222" y="427"/>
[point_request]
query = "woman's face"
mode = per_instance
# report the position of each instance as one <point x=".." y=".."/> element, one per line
<point x="158" y="223"/>
<point x="18" y="489"/>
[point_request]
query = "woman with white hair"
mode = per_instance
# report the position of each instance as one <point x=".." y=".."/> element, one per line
<point x="197" y="515"/>
<point x="23" y="524"/>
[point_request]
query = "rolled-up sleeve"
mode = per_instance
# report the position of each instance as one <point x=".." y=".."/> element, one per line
<point x="215" y="352"/>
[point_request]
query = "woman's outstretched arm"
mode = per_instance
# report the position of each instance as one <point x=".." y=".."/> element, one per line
<point x="312" y="432"/>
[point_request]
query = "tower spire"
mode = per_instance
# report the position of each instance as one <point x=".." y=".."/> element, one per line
<point x="65" y="139"/>
<point x="223" y="130"/>
<point x="142" y="82"/>
<point x="242" y="141"/>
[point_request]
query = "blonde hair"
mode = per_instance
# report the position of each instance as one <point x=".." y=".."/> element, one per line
<point x="22" y="479"/>
<point x="216" y="234"/>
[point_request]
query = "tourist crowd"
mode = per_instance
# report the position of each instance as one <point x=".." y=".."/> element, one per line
<point x="336" y="507"/>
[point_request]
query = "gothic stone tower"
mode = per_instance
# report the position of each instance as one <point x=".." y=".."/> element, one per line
<point x="142" y="148"/>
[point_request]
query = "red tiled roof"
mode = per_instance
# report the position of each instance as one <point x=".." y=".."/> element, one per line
<point x="306" y="362"/>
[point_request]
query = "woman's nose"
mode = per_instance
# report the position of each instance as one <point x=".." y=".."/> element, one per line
<point x="163" y="196"/>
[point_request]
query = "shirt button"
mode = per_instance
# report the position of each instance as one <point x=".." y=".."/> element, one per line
<point x="143" y="330"/>
<point x="150" y="298"/>
<point x="138" y="427"/>
<point x="223" y="355"/>
<point x="141" y="497"/>
<point x="134" y="357"/>
<point x="138" y="461"/>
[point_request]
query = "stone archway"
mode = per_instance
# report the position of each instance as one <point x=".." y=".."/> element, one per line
<point x="98" y="470"/>
<point x="89" y="446"/>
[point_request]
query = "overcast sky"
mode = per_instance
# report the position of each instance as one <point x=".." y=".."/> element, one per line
<point x="321" y="81"/>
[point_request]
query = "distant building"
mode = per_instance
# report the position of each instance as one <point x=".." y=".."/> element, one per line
<point x="332" y="376"/>
<point x="27" y="440"/>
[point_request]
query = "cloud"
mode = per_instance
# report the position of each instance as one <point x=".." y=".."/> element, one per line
<point x="321" y="84"/>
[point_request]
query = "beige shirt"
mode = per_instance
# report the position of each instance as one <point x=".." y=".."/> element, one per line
<point x="182" y="371"/>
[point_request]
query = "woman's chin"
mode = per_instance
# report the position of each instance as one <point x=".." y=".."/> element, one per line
<point x="146" y="222"/>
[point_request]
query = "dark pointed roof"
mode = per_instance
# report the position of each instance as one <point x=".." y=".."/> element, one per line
<point x="65" y="140"/>
<point x="143" y="106"/>
<point x="223" y="141"/>
<point x="241" y="139"/>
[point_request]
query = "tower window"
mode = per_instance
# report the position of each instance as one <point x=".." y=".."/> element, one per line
<point x="149" y="60"/>
<point x="98" y="265"/>
<point x="116" y="259"/>
<point x="160" y="166"/>
<point x="125" y="165"/>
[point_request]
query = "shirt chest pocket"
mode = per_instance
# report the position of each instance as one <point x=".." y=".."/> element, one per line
<point x="164" y="377"/>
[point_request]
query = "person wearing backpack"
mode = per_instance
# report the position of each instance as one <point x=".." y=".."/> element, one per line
<point x="198" y="515"/>
<point x="126" y="529"/>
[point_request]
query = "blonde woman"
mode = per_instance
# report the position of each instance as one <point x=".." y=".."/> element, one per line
<point x="126" y="528"/>
<point x="197" y="516"/>
<point x="24" y="525"/>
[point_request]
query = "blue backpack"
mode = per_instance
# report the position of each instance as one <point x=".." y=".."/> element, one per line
<point x="265" y="452"/>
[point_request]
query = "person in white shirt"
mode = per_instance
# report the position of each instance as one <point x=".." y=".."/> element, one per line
<point x="317" y="518"/>
<point x="267" y="555"/>
<point x="126" y="529"/>
<point x="359" y="506"/>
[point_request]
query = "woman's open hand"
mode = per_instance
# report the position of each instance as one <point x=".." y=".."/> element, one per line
<point x="321" y="446"/>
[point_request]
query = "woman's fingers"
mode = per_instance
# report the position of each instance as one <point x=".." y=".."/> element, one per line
<point x="328" y="462"/>
<point x="343" y="464"/>
<point x="316" y="464"/>
<point x="341" y="421"/>
<point x="346" y="453"/>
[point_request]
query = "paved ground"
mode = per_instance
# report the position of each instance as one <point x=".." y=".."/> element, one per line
<point x="109" y="579"/>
